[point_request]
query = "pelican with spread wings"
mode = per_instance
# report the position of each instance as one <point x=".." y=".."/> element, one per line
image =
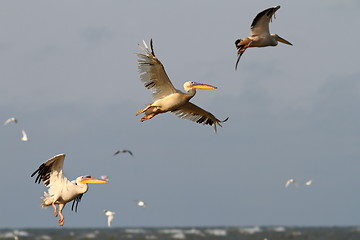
<point x="166" y="97"/>
<point x="61" y="190"/>
<point x="260" y="33"/>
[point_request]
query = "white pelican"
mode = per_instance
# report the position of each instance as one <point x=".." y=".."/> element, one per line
<point x="288" y="182"/>
<point x="260" y="34"/>
<point x="14" y="120"/>
<point x="141" y="203"/>
<point x="166" y="97"/>
<point x="61" y="190"/>
<point x="24" y="137"/>
<point x="123" y="151"/>
<point x="110" y="216"/>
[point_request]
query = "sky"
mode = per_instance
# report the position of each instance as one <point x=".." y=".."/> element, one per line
<point x="69" y="75"/>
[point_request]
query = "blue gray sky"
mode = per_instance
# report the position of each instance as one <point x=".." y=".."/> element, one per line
<point x="69" y="74"/>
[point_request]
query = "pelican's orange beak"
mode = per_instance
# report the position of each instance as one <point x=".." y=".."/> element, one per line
<point x="93" y="180"/>
<point x="202" y="86"/>
<point x="280" y="39"/>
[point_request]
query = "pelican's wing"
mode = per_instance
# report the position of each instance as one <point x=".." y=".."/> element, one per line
<point x="260" y="24"/>
<point x="287" y="183"/>
<point x="194" y="113"/>
<point x="51" y="173"/>
<point x="152" y="73"/>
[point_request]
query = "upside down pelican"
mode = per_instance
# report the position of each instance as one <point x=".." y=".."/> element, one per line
<point x="166" y="97"/>
<point x="260" y="33"/>
<point x="61" y="190"/>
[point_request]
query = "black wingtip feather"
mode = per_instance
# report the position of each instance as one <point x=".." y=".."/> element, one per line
<point x="152" y="47"/>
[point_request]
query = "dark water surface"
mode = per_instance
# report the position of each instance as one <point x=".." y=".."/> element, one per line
<point x="191" y="233"/>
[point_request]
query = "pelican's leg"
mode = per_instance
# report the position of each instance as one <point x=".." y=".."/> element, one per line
<point x="244" y="48"/>
<point x="143" y="110"/>
<point x="61" y="220"/>
<point x="55" y="210"/>
<point x="148" y="117"/>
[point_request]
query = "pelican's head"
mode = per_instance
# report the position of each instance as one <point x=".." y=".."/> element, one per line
<point x="193" y="85"/>
<point x="280" y="39"/>
<point x="89" y="179"/>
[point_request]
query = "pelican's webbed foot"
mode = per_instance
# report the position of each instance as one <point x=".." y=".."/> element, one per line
<point x="148" y="117"/>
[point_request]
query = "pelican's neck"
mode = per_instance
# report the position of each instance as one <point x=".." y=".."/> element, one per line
<point x="81" y="187"/>
<point x="189" y="92"/>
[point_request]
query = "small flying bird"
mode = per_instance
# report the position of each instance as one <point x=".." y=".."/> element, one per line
<point x="291" y="180"/>
<point x="24" y="136"/>
<point x="104" y="178"/>
<point x="110" y="216"/>
<point x="308" y="183"/>
<point x="260" y="33"/>
<point x="141" y="203"/>
<point x="166" y="97"/>
<point x="123" y="151"/>
<point x="61" y="190"/>
<point x="11" y="120"/>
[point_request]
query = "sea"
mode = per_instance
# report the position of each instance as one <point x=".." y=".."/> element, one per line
<point x="190" y="233"/>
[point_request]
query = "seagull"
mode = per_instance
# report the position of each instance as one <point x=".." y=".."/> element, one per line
<point x="24" y="136"/>
<point x="110" y="215"/>
<point x="105" y="178"/>
<point x="260" y="33"/>
<point x="291" y="180"/>
<point x="14" y="120"/>
<point x="308" y="183"/>
<point x="141" y="203"/>
<point x="123" y="151"/>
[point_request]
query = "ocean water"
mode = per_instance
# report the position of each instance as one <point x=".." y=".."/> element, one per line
<point x="190" y="233"/>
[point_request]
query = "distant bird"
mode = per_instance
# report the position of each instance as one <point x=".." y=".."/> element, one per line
<point x="260" y="34"/>
<point x="141" y="203"/>
<point x="110" y="216"/>
<point x="290" y="181"/>
<point x="61" y="190"/>
<point x="24" y="136"/>
<point x="104" y="178"/>
<point x="14" y="120"/>
<point x="166" y="97"/>
<point x="308" y="183"/>
<point x="123" y="151"/>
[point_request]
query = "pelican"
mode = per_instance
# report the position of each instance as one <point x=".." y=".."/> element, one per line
<point x="123" y="151"/>
<point x="110" y="216"/>
<point x="288" y="182"/>
<point x="14" y="120"/>
<point x="166" y="97"/>
<point x="260" y="34"/>
<point x="61" y="190"/>
<point x="24" y="137"/>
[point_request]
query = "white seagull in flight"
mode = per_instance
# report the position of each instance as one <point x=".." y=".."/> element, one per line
<point x="291" y="180"/>
<point x="141" y="203"/>
<point x="24" y="138"/>
<point x="14" y="120"/>
<point x="110" y="216"/>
